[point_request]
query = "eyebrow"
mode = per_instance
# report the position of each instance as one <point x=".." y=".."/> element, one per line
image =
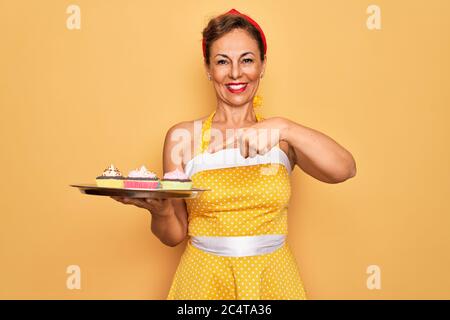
<point x="224" y="55"/>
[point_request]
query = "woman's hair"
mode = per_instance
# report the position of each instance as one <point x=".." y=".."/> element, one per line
<point x="221" y="25"/>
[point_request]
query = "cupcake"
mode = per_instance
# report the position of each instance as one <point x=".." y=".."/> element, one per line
<point x="176" y="180"/>
<point x="141" y="179"/>
<point x="110" y="178"/>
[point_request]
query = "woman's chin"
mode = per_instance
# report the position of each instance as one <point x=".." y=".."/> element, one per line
<point x="238" y="101"/>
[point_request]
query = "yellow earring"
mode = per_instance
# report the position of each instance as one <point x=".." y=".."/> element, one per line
<point x="257" y="101"/>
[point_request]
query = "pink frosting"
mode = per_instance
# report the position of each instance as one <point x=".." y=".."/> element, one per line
<point x="176" y="174"/>
<point x="141" y="173"/>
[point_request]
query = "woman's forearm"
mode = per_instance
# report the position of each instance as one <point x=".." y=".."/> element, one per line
<point x="168" y="228"/>
<point x="320" y="151"/>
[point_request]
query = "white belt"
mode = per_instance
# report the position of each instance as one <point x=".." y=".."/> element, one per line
<point x="239" y="246"/>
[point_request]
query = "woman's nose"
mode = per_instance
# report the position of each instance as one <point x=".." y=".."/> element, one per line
<point x="235" y="70"/>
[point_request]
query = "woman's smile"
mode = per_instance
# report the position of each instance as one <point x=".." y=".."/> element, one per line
<point x="236" y="87"/>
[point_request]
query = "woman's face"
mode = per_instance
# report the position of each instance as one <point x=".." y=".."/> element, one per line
<point x="235" y="59"/>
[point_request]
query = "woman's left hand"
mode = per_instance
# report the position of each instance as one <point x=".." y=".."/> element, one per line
<point x="259" y="138"/>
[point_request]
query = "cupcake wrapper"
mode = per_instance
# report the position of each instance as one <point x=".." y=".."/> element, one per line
<point x="176" y="185"/>
<point x="110" y="183"/>
<point x="136" y="184"/>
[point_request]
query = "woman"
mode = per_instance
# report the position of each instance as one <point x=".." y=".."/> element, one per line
<point x="237" y="245"/>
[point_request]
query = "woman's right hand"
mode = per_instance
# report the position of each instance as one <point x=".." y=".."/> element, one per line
<point x="157" y="207"/>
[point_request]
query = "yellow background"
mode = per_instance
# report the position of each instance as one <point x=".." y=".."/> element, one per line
<point x="74" y="101"/>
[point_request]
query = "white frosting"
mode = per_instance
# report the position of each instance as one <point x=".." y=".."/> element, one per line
<point x="111" y="171"/>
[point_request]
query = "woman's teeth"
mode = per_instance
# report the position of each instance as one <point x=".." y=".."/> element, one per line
<point x="236" y="87"/>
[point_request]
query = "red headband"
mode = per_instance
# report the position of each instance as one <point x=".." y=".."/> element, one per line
<point x="253" y="22"/>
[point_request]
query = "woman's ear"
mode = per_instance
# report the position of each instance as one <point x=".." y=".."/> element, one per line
<point x="263" y="68"/>
<point x="207" y="70"/>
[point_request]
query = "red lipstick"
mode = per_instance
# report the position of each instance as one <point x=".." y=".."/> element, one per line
<point x="236" y="87"/>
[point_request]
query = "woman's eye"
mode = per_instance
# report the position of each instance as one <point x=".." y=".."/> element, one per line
<point x="248" y="60"/>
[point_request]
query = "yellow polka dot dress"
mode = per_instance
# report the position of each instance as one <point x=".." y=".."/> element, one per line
<point x="248" y="200"/>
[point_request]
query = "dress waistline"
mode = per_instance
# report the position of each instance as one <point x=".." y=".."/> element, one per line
<point x="239" y="246"/>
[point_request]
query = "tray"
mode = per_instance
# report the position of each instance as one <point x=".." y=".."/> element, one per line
<point x="92" y="189"/>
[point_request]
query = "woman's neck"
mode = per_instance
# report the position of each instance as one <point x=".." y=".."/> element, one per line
<point x="232" y="116"/>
